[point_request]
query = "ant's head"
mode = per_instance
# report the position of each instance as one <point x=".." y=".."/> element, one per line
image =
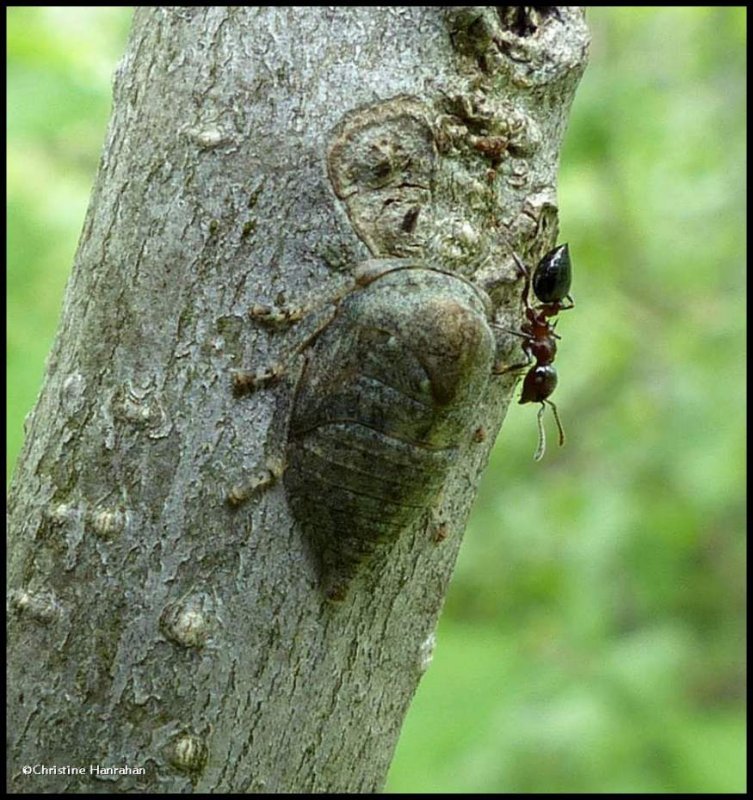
<point x="538" y="384"/>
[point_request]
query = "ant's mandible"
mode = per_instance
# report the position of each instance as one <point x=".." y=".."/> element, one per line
<point x="551" y="284"/>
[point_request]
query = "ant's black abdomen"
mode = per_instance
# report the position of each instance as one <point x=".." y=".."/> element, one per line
<point x="553" y="275"/>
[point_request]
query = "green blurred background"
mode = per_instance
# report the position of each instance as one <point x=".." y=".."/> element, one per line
<point x="593" y="637"/>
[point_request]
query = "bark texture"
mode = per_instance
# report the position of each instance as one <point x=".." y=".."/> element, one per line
<point x="152" y="624"/>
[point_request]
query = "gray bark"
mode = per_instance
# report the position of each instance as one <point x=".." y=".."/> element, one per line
<point x="151" y="624"/>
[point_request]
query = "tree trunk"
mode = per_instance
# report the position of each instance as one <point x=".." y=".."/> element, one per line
<point x="255" y="156"/>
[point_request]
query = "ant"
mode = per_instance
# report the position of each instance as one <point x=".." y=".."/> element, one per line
<point x="551" y="285"/>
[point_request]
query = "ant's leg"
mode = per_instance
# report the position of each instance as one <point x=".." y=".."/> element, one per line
<point x="557" y="420"/>
<point x="523" y="269"/>
<point x="513" y="333"/>
<point x="572" y="303"/>
<point x="520" y="264"/>
<point x="503" y="369"/>
<point x="500" y="368"/>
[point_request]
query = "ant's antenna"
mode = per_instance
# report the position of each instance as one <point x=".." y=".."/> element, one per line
<point x="539" y="454"/>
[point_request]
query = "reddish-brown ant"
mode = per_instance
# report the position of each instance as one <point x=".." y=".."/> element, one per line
<point x="551" y="284"/>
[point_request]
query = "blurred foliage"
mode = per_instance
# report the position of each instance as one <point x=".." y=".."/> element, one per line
<point x="59" y="73"/>
<point x="593" y="637"/>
